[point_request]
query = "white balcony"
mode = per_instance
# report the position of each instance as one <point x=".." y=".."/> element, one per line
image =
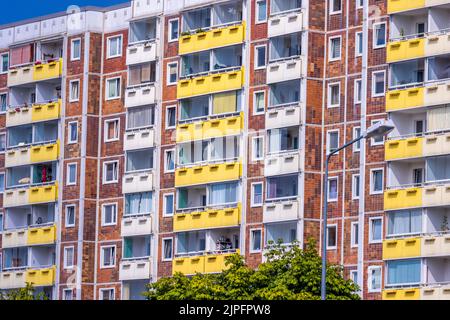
<point x="12" y="279"/>
<point x="283" y="210"/>
<point x="18" y="116"/>
<point x="14" y="238"/>
<point x="141" y="52"/>
<point x="283" y="116"/>
<point x="17" y="157"/>
<point x="284" y="70"/>
<point x="15" y="197"/>
<point x="282" y="163"/>
<point x="435" y="292"/>
<point x="285" y="23"/>
<point x="137" y="182"/>
<point x="140" y="95"/>
<point x="143" y="8"/>
<point x="139" y="139"/>
<point x="135" y="269"/>
<point x="135" y="226"/>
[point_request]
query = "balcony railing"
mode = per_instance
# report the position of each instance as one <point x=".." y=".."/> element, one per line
<point x="203" y="262"/>
<point x="135" y="269"/>
<point x="208" y="174"/>
<point x="32" y="153"/>
<point x="285" y="22"/>
<point x="20" y="196"/>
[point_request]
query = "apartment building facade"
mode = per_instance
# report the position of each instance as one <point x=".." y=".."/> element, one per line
<point x="161" y="136"/>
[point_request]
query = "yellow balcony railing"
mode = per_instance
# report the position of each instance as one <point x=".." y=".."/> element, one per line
<point x="405" y="49"/>
<point x="44" y="153"/>
<point x="46" y="193"/>
<point x="211" y="263"/>
<point x="42" y="235"/>
<point x="404" y="148"/>
<point x="214" y="38"/>
<point x="41" y="277"/>
<point x="208" y="174"/>
<point x="48" y="111"/>
<point x="212" y="218"/>
<point x="211" y="83"/>
<point x="49" y="70"/>
<point x="403" y="198"/>
<point x="401" y="294"/>
<point x="402" y="248"/>
<point x="213" y="128"/>
<point x="405" y="99"/>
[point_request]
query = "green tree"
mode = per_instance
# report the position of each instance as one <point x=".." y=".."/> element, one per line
<point x="289" y="273"/>
<point x="27" y="293"/>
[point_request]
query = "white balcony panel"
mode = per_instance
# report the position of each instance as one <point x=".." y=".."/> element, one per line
<point x="282" y="163"/>
<point x="20" y="75"/>
<point x="12" y="279"/>
<point x="137" y="182"/>
<point x="17" y="117"/>
<point x="284" y="70"/>
<point x="283" y="117"/>
<point x="141" y="52"/>
<point x="435" y="292"/>
<point x="17" y="157"/>
<point x="285" y="23"/>
<point x="139" y="139"/>
<point x="143" y="8"/>
<point x="15" y="197"/>
<point x="14" y="238"/>
<point x="140" y="96"/>
<point x="281" y="211"/>
<point x="134" y="226"/>
<point x="438" y="93"/>
<point x="134" y="269"/>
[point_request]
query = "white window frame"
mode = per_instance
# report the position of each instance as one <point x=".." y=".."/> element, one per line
<point x="354" y="189"/>
<point x="328" y="140"/>
<point x="69" y="133"/>
<point x="356" y="94"/>
<point x="331" y="8"/>
<point x="374" y="94"/>
<point x="1" y="61"/>
<point x="64" y="293"/>
<point x="372" y="191"/>
<point x="166" y="170"/>
<point x="330" y="47"/>
<point x="108" y="46"/>
<point x="254" y="158"/>
<point x="352" y="272"/>
<point x="369" y="279"/>
<point x="72" y="99"/>
<point x="257" y="21"/>
<point x="107" y="88"/>
<point x="168" y="83"/>
<point x="329" y="105"/>
<point x="68" y="182"/>
<point x="359" y="5"/>
<point x="333" y="225"/>
<point x="3" y="134"/>
<point x="104" y="172"/>
<point x="6" y="108"/>
<point x="105" y="132"/>
<point x="255" y="112"/>
<point x="72" y="57"/>
<point x="374" y="35"/>
<point x="358" y="42"/>
<point x="355" y="135"/>
<point x="66" y="266"/>
<point x="354" y="238"/>
<point x="162" y="249"/>
<point x="252" y="194"/>
<point x="66" y="220"/>
<point x="104" y="223"/>
<point x="165" y="195"/>
<point x="371" y="240"/>
<point x="251" y="240"/>
<point x="255" y="67"/>
<point x="167" y="117"/>
<point x="372" y="140"/>
<point x="102" y="290"/>
<point x="102" y="256"/>
<point x="337" y="188"/>
<point x="169" y="35"/>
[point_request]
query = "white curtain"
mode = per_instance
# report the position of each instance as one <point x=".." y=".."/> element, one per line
<point x="275" y="140"/>
<point x="223" y="193"/>
<point x="403" y="222"/>
<point x="438" y="118"/>
<point x="138" y="203"/>
<point x="139" y="117"/>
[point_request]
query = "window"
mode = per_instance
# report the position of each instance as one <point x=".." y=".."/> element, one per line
<point x="354" y="234"/>
<point x="114" y="46"/>
<point x="71" y="178"/>
<point x="355" y="186"/>
<point x="403" y="272"/>
<point x="73" y="132"/>
<point x="140" y="117"/>
<point x="1" y="229"/>
<point x="107" y="294"/>
<point x="141" y="74"/>
<point x="168" y="249"/>
<point x="332" y="141"/>
<point x="359" y="4"/>
<point x="335" y="48"/>
<point x="3" y="102"/>
<point x="379" y="35"/>
<point x="74" y="94"/>
<point x="108" y="256"/>
<point x="376" y="181"/>
<point x="259" y="102"/>
<point x="378" y="140"/>
<point x="67" y="294"/>
<point x="138" y="203"/>
<point x="375" y="230"/>
<point x="4" y="62"/>
<point x="331" y="237"/>
<point x="332" y="189"/>
<point x="260" y="57"/>
<point x="2" y="142"/>
<point x="109" y="214"/>
<point x="174" y="29"/>
<point x="113" y="88"/>
<point x="358" y="91"/>
<point x="358" y="44"/>
<point x="378" y="83"/>
<point x="257" y="194"/>
<point x="419" y="127"/>
<point x="404" y="222"/>
<point x="261" y="11"/>
<point x="75" y="49"/>
<point x="335" y="6"/>
<point x="354" y="276"/>
<point x="110" y="172"/>
<point x="2" y="182"/>
<point x="68" y="257"/>
<point x="257" y="148"/>
<point x="112" y="130"/>
<point x="171" y="114"/>
<point x="334" y="95"/>
<point x="374" y="279"/>
<point x="70" y="216"/>
<point x="356" y="134"/>
<point x="169" y="164"/>
<point x="168" y="205"/>
<point x="255" y="240"/>
<point x="418" y="176"/>
<point x="172" y="73"/>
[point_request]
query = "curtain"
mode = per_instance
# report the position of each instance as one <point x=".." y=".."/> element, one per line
<point x="284" y="232"/>
<point x="113" y="88"/>
<point x="274" y="140"/>
<point x="138" y="203"/>
<point x="403" y="271"/>
<point x="167" y="248"/>
<point x="139" y="117"/>
<point x="134" y="75"/>
<point x="21" y="55"/>
<point x="223" y="193"/>
<point x="140" y="160"/>
<point x="438" y="118"/>
<point x="224" y="102"/>
<point x="128" y="248"/>
<point x="182" y="243"/>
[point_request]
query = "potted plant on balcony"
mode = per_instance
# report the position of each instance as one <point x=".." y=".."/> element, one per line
<point x="444" y="225"/>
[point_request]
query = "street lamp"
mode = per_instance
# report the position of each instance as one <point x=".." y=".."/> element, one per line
<point x="381" y="128"/>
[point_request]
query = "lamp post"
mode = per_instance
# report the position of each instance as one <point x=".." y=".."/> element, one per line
<point x="381" y="128"/>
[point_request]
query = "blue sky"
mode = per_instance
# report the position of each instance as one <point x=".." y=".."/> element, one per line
<point x="17" y="10"/>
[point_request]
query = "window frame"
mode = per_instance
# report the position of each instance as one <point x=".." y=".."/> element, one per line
<point x="332" y="225"/>
<point x="105" y="128"/>
<point x="102" y="256"/>
<point x="263" y="92"/>
<point x="163" y="258"/>
<point x="371" y="240"/>
<point x="330" y="48"/>
<point x="6" y="107"/>
<point x="72" y="99"/>
<point x="261" y="242"/>
<point x="357" y="145"/>
<point x="252" y="194"/>
<point x="337" y="189"/>
<point x="104" y="172"/>
<point x="72" y="57"/>
<point x="107" y="88"/>
<point x="374" y="35"/>
<point x="257" y="21"/>
<point x="329" y="92"/>
<point x="254" y="138"/>
<point x="328" y="140"/>
<point x="372" y="140"/>
<point x="356" y="93"/>
<point x="69" y="133"/>
<point x="169" y="64"/>
<point x="354" y="196"/>
<point x="170" y="29"/>
<point x="354" y="238"/>
<point x="256" y="53"/>
<point x="66" y="224"/>
<point x="369" y="279"/>
<point x="165" y="195"/>
<point x="331" y="12"/>
<point x="65" y="265"/>
<point x="374" y="84"/>
<point x="359" y="43"/>
<point x="102" y="291"/>
<point x="372" y="191"/>
<point x="166" y="170"/>
<point x="68" y="182"/>
<point x="103" y="220"/>
<point x="167" y="117"/>
<point x="64" y="294"/>
<point x="108" y="46"/>
<point x="3" y="173"/>
<point x="1" y="62"/>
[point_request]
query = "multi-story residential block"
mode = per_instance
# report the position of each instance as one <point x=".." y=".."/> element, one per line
<point x="161" y="136"/>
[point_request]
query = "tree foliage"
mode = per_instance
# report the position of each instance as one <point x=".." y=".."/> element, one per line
<point x="289" y="273"/>
<point x="27" y="293"/>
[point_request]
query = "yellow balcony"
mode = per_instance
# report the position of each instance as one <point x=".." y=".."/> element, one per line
<point x="208" y="174"/>
<point x="403" y="198"/>
<point x="212" y="263"/>
<point x="404" y="148"/>
<point x="213" y="218"/>
<point x="401" y="294"/>
<point x="42" y="194"/>
<point x="41" y="277"/>
<point x="401" y="248"/>
<point x="44" y="153"/>
<point x="215" y="263"/>
<point x="210" y="129"/>
<point x="48" y="111"/>
<point x="48" y="70"/>
<point x="405" y="49"/>
<point x="404" y="99"/>
<point x="215" y="38"/>
<point x="215" y="82"/>
<point x="42" y="235"/>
